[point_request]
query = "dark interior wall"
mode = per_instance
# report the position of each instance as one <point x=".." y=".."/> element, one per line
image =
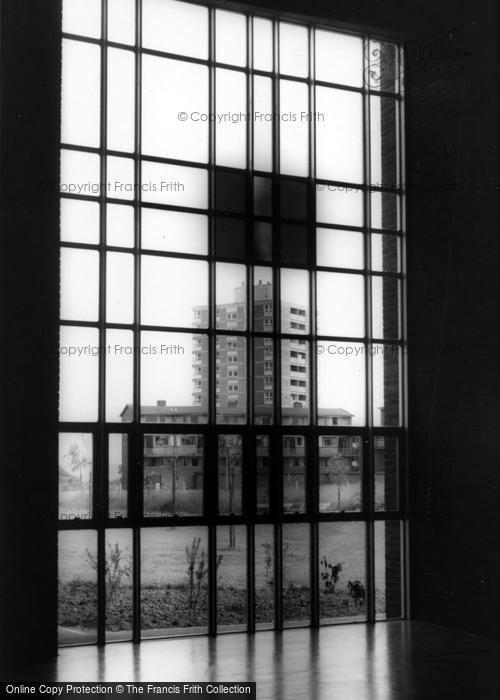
<point x="452" y="138"/>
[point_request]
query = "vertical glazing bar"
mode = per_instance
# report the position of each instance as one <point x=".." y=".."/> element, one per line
<point x="135" y="448"/>
<point x="211" y="446"/>
<point x="368" y="471"/>
<point x="99" y="476"/>
<point x="312" y="473"/>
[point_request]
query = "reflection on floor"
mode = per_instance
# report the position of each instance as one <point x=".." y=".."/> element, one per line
<point x="388" y="661"/>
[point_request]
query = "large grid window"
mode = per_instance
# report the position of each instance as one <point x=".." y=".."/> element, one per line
<point x="232" y="402"/>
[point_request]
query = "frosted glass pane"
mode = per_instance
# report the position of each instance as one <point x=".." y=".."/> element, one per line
<point x="119" y="374"/>
<point x="79" y="221"/>
<point x="339" y="136"/>
<point x="78" y="373"/>
<point x="339" y="248"/>
<point x="80" y="173"/>
<point x="80" y="97"/>
<point x="82" y="17"/>
<point x="119" y="288"/>
<point x="79" y="284"/>
<point x="175" y="185"/>
<point x="231" y="125"/>
<point x="121" y="100"/>
<point x="339" y="58"/>
<point x="338" y="206"/>
<point x="121" y="21"/>
<point x="340" y="304"/>
<point x="263" y="124"/>
<point x="171" y="288"/>
<point x="294" y="50"/>
<point x="120" y="225"/>
<point x="262" y="44"/>
<point x="121" y="178"/>
<point x="169" y="89"/>
<point x="175" y="27"/>
<point x="294" y="128"/>
<point x="341" y="379"/>
<point x="230" y="38"/>
<point x="174" y="231"/>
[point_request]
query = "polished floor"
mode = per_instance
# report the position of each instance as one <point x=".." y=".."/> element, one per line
<point x="388" y="661"/>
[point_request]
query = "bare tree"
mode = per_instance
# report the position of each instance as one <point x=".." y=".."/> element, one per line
<point x="339" y="468"/>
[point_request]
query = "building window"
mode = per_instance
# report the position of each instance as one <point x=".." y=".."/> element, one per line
<point x="161" y="250"/>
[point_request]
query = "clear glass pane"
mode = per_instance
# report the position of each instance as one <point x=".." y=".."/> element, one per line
<point x="175" y="27"/>
<point x="118" y="475"/>
<point x="386" y="384"/>
<point x="386" y="456"/>
<point x="264" y="576"/>
<point x="121" y="21"/>
<point x="75" y="476"/>
<point x="339" y="136"/>
<point x="77" y="594"/>
<point x="294" y="301"/>
<point x="262" y="44"/>
<point x="263" y="124"/>
<point x="336" y="248"/>
<point x="385" y="307"/>
<point x="340" y="304"/>
<point x="80" y="173"/>
<point x="295" y="382"/>
<point x="174" y="292"/>
<point x="119" y="375"/>
<point x="294" y="128"/>
<point x="121" y="100"/>
<point x="231" y="577"/>
<point x="263" y="299"/>
<point x="82" y="17"/>
<point x="381" y="69"/>
<point x="173" y="475"/>
<point x="340" y="469"/>
<point x="118" y="585"/>
<point x="172" y="388"/>
<point x="231" y="296"/>
<point x="385" y="210"/>
<point x="231" y="126"/>
<point x="174" y="231"/>
<point x="230" y="38"/>
<point x="341" y="381"/>
<point x="79" y="221"/>
<point x="78" y="372"/>
<point x="262" y="196"/>
<point x="294" y="474"/>
<point x="79" y="284"/>
<point x="80" y="97"/>
<point x="230" y="379"/>
<point x="174" y="109"/>
<point x="174" y="581"/>
<point x="339" y="58"/>
<point x="296" y="575"/>
<point x="263" y="381"/>
<point x="121" y="177"/>
<point x="338" y="205"/>
<point x="384" y="141"/>
<point x="294" y="49"/>
<point x="230" y="461"/>
<point x="120" y="225"/>
<point x="174" y="185"/>
<point x="385" y="253"/>
<point x="263" y="457"/>
<point x="119" y="288"/>
<point x="388" y="570"/>
<point x="342" y="570"/>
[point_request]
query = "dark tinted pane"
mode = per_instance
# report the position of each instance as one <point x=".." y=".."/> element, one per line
<point x="293" y="199"/>
<point x="262" y="190"/>
<point x="293" y="244"/>
<point x="262" y="241"/>
<point x="229" y="237"/>
<point x="230" y="192"/>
